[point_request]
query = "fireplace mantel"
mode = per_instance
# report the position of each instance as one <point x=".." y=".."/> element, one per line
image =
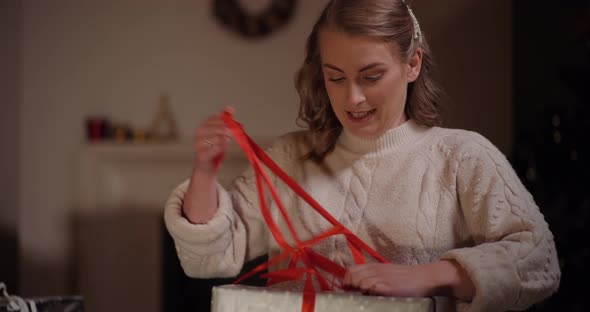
<point x="118" y="176"/>
<point x="122" y="190"/>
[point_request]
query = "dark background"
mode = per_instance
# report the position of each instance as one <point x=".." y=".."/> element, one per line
<point x="552" y="123"/>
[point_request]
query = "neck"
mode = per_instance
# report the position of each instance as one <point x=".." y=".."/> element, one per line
<point x="402" y="135"/>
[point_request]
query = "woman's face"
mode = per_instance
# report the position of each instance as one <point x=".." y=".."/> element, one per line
<point x="367" y="81"/>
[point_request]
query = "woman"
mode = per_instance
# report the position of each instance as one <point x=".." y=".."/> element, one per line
<point x="443" y="206"/>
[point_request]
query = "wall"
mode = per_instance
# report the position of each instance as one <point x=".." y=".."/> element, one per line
<point x="9" y="141"/>
<point x="472" y="42"/>
<point x="115" y="58"/>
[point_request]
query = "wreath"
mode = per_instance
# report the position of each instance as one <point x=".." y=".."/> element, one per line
<point x="233" y="16"/>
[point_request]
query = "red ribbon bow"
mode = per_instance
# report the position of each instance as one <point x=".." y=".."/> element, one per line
<point x="302" y="251"/>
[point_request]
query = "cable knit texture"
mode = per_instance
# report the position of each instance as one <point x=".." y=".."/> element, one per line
<point x="416" y="195"/>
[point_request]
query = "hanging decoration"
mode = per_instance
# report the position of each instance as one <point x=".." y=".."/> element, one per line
<point x="254" y="25"/>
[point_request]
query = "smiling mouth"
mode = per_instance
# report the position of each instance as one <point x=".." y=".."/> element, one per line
<point x="360" y="116"/>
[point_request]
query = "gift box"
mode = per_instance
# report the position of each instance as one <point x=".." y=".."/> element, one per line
<point x="231" y="298"/>
<point x="12" y="303"/>
<point x="49" y="304"/>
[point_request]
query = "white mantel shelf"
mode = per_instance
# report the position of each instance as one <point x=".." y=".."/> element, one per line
<point x="128" y="176"/>
<point x="143" y="150"/>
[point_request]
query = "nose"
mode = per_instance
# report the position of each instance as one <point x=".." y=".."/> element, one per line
<point x="356" y="95"/>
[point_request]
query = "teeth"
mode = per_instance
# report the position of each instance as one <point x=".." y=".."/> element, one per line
<point x="360" y="114"/>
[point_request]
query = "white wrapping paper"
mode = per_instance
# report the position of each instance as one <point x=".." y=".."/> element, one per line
<point x="232" y="298"/>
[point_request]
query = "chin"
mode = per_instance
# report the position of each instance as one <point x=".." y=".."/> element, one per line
<point x="366" y="133"/>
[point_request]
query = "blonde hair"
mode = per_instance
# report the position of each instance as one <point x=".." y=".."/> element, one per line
<point x="390" y="20"/>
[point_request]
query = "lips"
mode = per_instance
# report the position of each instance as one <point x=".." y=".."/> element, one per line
<point x="361" y="115"/>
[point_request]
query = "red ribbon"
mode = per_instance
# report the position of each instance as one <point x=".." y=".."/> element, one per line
<point x="301" y="252"/>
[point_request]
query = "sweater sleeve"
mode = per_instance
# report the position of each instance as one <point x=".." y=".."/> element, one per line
<point x="514" y="262"/>
<point x="235" y="234"/>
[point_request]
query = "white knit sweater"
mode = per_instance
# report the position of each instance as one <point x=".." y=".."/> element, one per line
<point x="416" y="195"/>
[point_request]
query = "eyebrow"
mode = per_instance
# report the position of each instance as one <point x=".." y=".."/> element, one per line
<point x="367" y="67"/>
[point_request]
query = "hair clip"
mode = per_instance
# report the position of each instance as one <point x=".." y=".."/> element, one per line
<point x="417" y="31"/>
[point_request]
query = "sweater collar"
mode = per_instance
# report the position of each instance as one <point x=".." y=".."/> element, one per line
<point x="392" y="139"/>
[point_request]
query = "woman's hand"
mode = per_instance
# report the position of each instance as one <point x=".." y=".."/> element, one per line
<point x="211" y="140"/>
<point x="391" y="280"/>
<point x="440" y="278"/>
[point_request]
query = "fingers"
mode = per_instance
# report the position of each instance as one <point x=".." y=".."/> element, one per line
<point x="379" y="288"/>
<point x="372" y="278"/>
<point x="211" y="138"/>
<point x="208" y="148"/>
<point x="229" y="109"/>
<point x="368" y="284"/>
<point x="389" y="279"/>
<point x="211" y="134"/>
<point x="354" y="275"/>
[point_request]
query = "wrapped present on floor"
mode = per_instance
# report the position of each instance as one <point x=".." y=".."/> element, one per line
<point x="12" y="303"/>
<point x="230" y="298"/>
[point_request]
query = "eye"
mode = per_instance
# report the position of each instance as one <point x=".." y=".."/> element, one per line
<point x="373" y="78"/>
<point x="336" y="79"/>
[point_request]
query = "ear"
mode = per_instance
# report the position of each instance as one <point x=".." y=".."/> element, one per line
<point x="414" y="65"/>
